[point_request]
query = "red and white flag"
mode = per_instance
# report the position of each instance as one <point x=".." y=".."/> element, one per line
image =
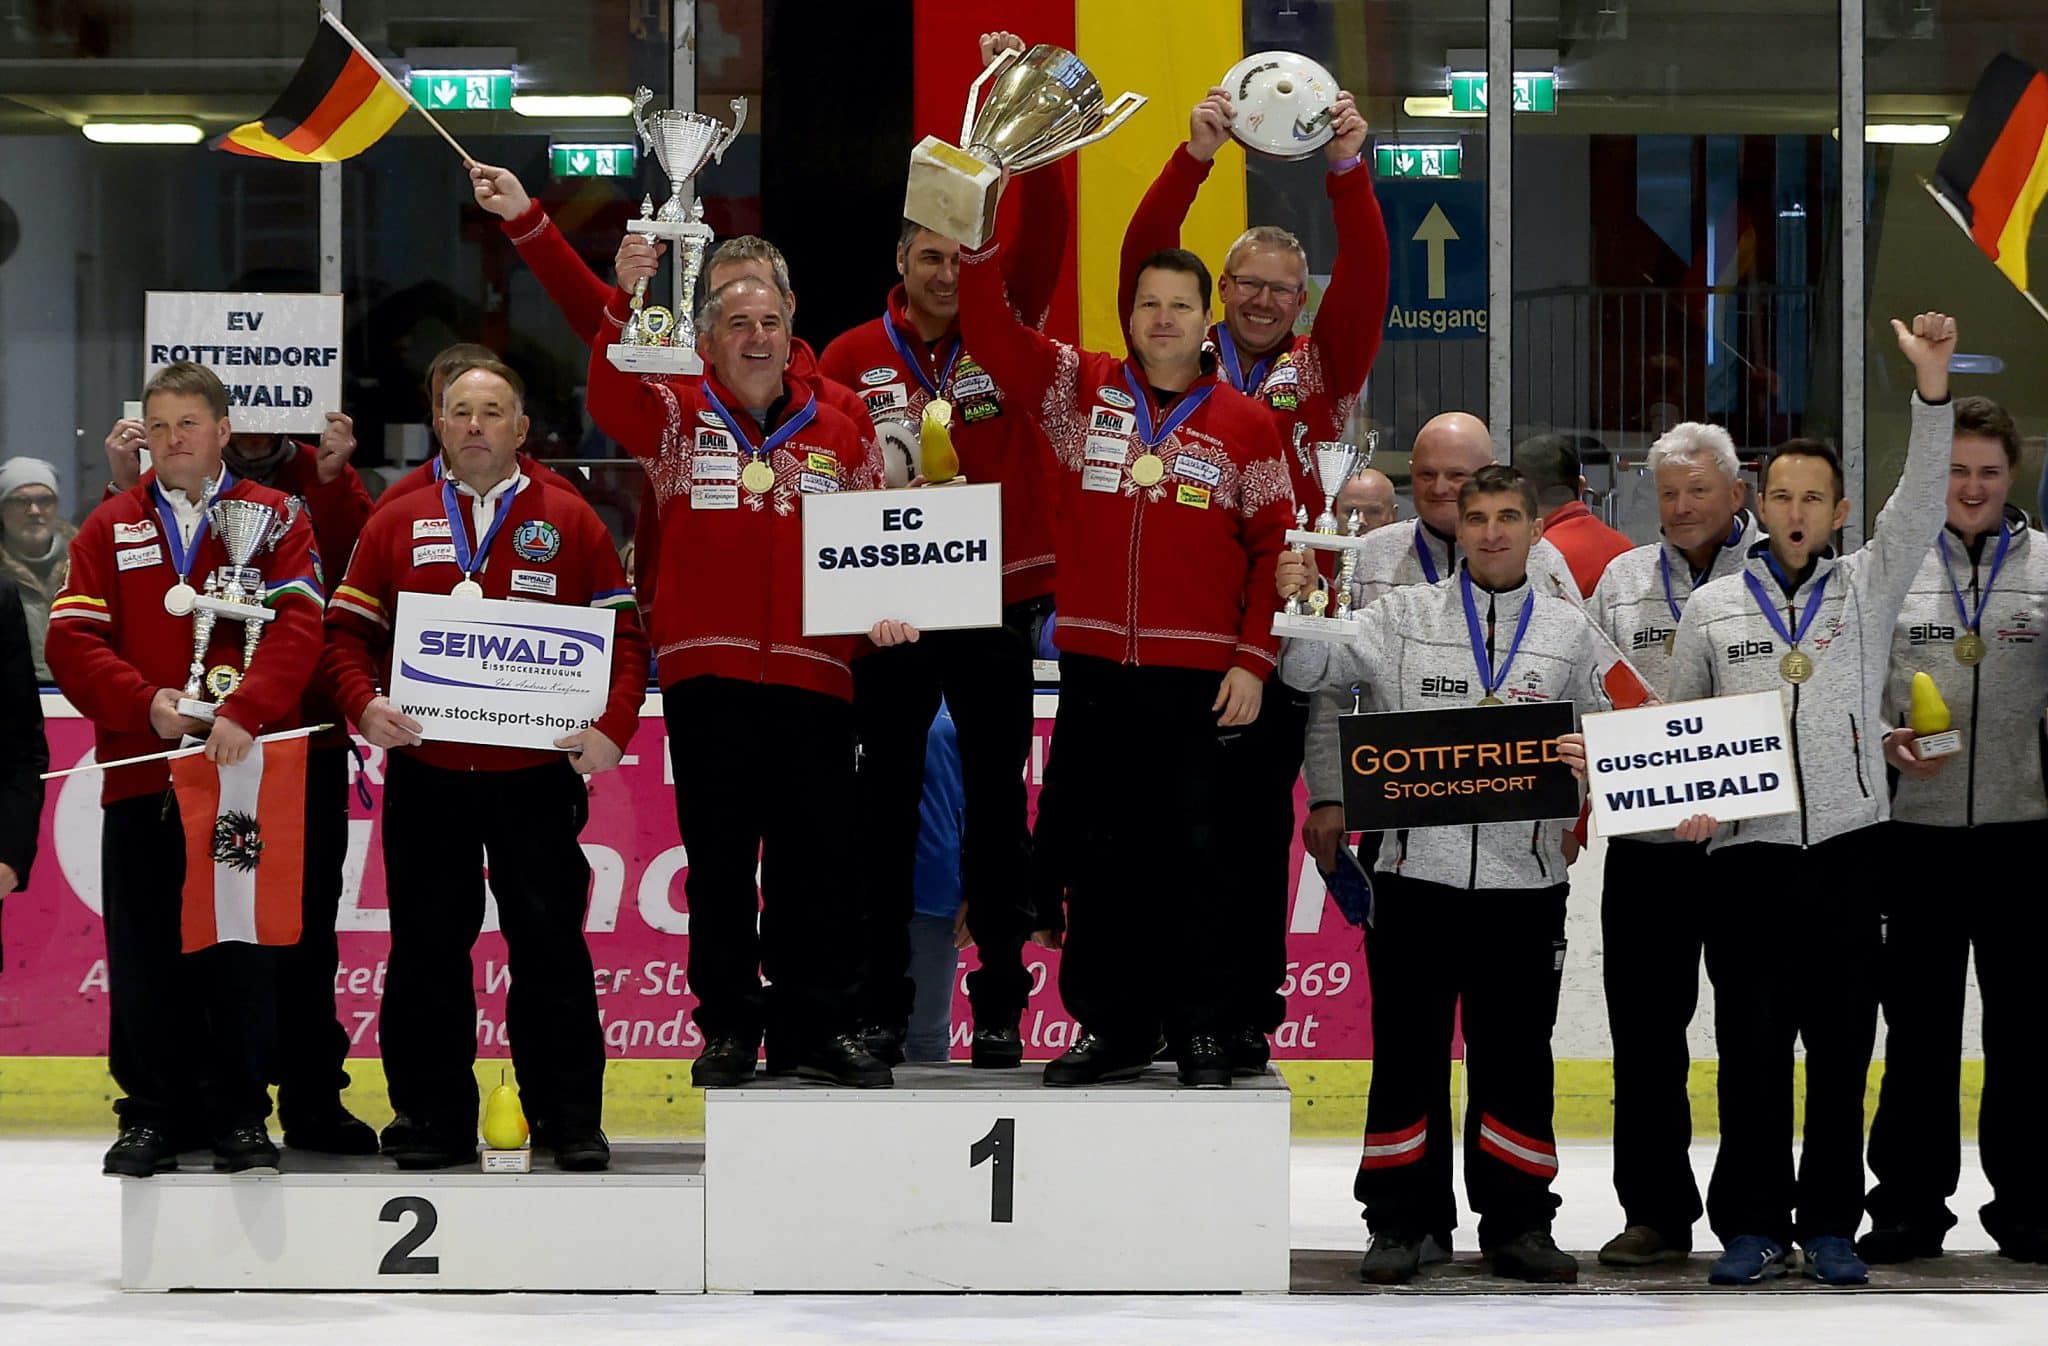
<point x="245" y="844"/>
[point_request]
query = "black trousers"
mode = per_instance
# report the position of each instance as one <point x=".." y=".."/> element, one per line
<point x="441" y="829"/>
<point x="1793" y="954"/>
<point x="1497" y="955"/>
<point x="1653" y="906"/>
<point x="1140" y="812"/>
<point x="765" y="775"/>
<point x="312" y="1044"/>
<point x="1949" y="890"/>
<point x="1261" y="762"/>
<point x="985" y="678"/>
<point x="191" y="1036"/>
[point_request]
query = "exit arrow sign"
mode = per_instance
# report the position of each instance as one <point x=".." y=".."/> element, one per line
<point x="591" y="161"/>
<point x="463" y="90"/>
<point x="1535" y="91"/>
<point x="1417" y="161"/>
<point x="1433" y="233"/>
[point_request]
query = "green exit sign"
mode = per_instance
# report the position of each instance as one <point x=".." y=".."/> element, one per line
<point x="1417" y="161"/>
<point x="1535" y="91"/>
<point x="591" y="161"/>
<point x="463" y="90"/>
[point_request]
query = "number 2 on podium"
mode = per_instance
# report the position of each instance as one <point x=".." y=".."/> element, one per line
<point x="999" y="1148"/>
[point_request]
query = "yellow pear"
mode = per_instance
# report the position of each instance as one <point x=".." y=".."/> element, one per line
<point x="937" y="462"/>
<point x="504" y="1122"/>
<point x="1929" y="714"/>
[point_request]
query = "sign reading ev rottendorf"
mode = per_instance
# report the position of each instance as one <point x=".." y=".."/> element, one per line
<point x="931" y="556"/>
<point x="1449" y="768"/>
<point x="489" y="670"/>
<point x="1655" y="766"/>
<point x="278" y="354"/>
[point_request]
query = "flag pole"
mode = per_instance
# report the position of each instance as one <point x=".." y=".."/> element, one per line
<point x="333" y="21"/>
<point x="1949" y="210"/>
<point x="2029" y="296"/>
<point x="177" y="752"/>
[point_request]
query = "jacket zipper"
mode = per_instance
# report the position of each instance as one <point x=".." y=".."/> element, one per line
<point x="1798" y="764"/>
<point x="1976" y="689"/>
<point x="1536" y="849"/>
<point x="1472" y="877"/>
<point x="1131" y="577"/>
<point x="1856" y="750"/>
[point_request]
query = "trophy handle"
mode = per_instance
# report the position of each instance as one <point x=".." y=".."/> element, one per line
<point x="739" y="119"/>
<point x="642" y="96"/>
<point x="1004" y="59"/>
<point x="1113" y="116"/>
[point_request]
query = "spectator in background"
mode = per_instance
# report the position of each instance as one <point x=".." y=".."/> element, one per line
<point x="938" y="928"/>
<point x="35" y="545"/>
<point x="1552" y="464"/>
<point x="24" y="753"/>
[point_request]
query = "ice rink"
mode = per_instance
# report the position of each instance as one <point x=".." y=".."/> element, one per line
<point x="60" y="1240"/>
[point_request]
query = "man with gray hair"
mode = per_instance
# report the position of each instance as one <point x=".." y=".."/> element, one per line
<point x="1652" y="911"/>
<point x="35" y="545"/>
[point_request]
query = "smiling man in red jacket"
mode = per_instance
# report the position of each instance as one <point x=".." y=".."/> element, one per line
<point x="1172" y="502"/>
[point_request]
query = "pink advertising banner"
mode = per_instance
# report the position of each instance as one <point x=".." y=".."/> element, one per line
<point x="53" y="990"/>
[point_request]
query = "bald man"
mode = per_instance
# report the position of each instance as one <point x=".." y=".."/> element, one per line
<point x="1371" y="493"/>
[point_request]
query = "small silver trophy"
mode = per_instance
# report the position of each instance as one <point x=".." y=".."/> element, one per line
<point x="246" y="528"/>
<point x="657" y="340"/>
<point x="1329" y="615"/>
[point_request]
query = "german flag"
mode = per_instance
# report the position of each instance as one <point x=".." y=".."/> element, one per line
<point x="337" y="106"/>
<point x="1994" y="173"/>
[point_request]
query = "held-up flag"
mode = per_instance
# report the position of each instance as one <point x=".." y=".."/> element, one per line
<point x="245" y="844"/>
<point x="1994" y="173"/>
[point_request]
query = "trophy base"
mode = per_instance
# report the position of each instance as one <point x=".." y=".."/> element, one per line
<point x="507" y="1161"/>
<point x="654" y="359"/>
<point x="233" y="611"/>
<point x="1928" y="746"/>
<point x="1307" y="626"/>
<point x="193" y="708"/>
<point x="1299" y="539"/>
<point x="951" y="192"/>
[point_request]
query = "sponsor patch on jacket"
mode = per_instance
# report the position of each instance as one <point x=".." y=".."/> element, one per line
<point x="430" y="528"/>
<point x="1117" y="397"/>
<point x="715" y="441"/>
<point x="715" y="467"/>
<point x="537" y="540"/>
<point x="709" y="418"/>
<point x="1113" y="449"/>
<point x="715" y="497"/>
<point x="1198" y="496"/>
<point x="1103" y="421"/>
<point x="539" y="583"/>
<point x="135" y="532"/>
<point x="823" y="463"/>
<point x="137" y="557"/>
<point x="973" y="385"/>
<point x="879" y="374"/>
<point x="431" y="553"/>
<point x="1101" y="478"/>
<point x="887" y="401"/>
<point x="1196" y="469"/>
<point x="814" y="483"/>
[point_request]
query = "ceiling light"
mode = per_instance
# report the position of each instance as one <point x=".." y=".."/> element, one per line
<point x="1905" y="133"/>
<point x="1433" y="105"/>
<point x="142" y="133"/>
<point x="572" y="105"/>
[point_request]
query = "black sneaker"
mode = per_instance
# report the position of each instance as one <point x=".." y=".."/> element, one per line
<point x="1889" y="1243"/>
<point x="400" y="1134"/>
<point x="140" y="1152"/>
<point x="1203" y="1063"/>
<point x="998" y="1048"/>
<point x="1393" y="1259"/>
<point x="1248" y="1051"/>
<point x="884" y="1044"/>
<point x="244" y="1149"/>
<point x="727" y="1061"/>
<point x="1535" y="1257"/>
<point x="842" y="1060"/>
<point x="432" y="1147"/>
<point x="581" y="1151"/>
<point x="329" y="1128"/>
<point x="1094" y="1060"/>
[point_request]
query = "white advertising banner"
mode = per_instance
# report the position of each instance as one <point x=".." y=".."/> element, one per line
<point x="931" y="556"/>
<point x="1651" y="768"/>
<point x="278" y="354"/>
<point x="490" y="670"/>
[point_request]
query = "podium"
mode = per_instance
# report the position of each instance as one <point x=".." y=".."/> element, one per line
<point x="960" y="1179"/>
<point x="329" y="1223"/>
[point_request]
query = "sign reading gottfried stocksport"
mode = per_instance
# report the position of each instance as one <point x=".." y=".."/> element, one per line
<point x="278" y="354"/>
<point x="1653" y="767"/>
<point x="1445" y="768"/>
<point x="932" y="556"/>
<point x="489" y="670"/>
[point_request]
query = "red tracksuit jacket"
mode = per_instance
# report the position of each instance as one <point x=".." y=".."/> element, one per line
<point x="732" y="561"/>
<point x="552" y="548"/>
<point x="113" y="645"/>
<point x="1179" y="572"/>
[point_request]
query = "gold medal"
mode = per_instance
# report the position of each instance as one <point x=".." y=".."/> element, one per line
<point x="1796" y="667"/>
<point x="758" y="478"/>
<point x="1970" y="650"/>
<point x="222" y="679"/>
<point x="1491" y="700"/>
<point x="1148" y="469"/>
<point x="1317" y="601"/>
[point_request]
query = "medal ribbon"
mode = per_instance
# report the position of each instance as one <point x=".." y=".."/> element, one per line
<point x="1770" y="610"/>
<point x="1189" y="404"/>
<point x="181" y="554"/>
<point x="1249" y="384"/>
<point x="1422" y="553"/>
<point x="786" y="431"/>
<point x="1973" y="620"/>
<point x="916" y="365"/>
<point x="1664" y="564"/>
<point x="458" y="528"/>
<point x="1488" y="678"/>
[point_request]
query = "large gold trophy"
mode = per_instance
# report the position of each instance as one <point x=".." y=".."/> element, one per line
<point x="1044" y="106"/>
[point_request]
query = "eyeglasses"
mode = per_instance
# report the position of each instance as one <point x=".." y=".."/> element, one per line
<point x="30" y="502"/>
<point x="1278" y="289"/>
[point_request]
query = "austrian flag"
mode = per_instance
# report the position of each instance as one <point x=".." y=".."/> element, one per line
<point x="245" y="842"/>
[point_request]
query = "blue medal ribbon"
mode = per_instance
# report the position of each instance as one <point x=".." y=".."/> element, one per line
<point x="1488" y="677"/>
<point x="1188" y="405"/>
<point x="1422" y="554"/>
<point x="458" y="528"/>
<point x="181" y="552"/>
<point x="1249" y="384"/>
<point x="786" y="431"/>
<point x="1664" y="564"/>
<point x="1973" y="620"/>
<point x="1770" y="609"/>
<point x="915" y="364"/>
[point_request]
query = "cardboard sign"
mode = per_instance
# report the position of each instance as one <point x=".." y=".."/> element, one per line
<point x="489" y="670"/>
<point x="1653" y="767"/>
<point x="932" y="557"/>
<point x="278" y="354"/>
<point x="1450" y="768"/>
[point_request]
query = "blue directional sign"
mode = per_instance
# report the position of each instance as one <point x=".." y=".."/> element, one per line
<point x="1436" y="231"/>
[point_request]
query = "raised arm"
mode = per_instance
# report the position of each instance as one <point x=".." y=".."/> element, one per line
<point x="1911" y="519"/>
<point x="1353" y="314"/>
<point x="1156" y="224"/>
<point x="560" y="269"/>
<point x="1020" y="359"/>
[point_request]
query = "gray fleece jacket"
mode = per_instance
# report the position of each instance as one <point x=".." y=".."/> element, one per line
<point x="1726" y="644"/>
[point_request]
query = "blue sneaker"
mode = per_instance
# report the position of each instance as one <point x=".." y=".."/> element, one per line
<point x="1831" y="1260"/>
<point x="1752" y="1258"/>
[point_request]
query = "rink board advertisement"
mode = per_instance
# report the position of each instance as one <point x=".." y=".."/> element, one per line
<point x="53" y="989"/>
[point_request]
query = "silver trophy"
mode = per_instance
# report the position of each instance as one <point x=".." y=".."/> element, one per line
<point x="246" y="529"/>
<point x="657" y="340"/>
<point x="1329" y="615"/>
